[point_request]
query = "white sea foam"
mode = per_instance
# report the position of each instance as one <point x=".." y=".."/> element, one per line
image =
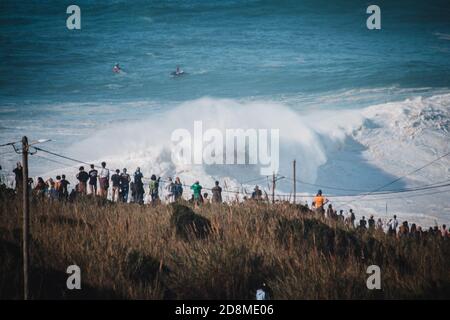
<point x="356" y="148"/>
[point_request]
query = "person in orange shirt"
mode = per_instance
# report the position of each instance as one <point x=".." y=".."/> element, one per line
<point x="320" y="201"/>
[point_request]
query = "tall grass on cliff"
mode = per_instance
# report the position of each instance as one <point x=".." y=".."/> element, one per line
<point x="128" y="251"/>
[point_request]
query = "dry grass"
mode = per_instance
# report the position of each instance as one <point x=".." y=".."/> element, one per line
<point x="136" y="252"/>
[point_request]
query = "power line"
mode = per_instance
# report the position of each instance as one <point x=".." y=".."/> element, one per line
<point x="380" y="193"/>
<point x="373" y="193"/>
<point x="10" y="143"/>
<point x="56" y="161"/>
<point x="399" y="178"/>
<point x="64" y="157"/>
<point x="253" y="180"/>
<point x="405" y="196"/>
<point x="322" y="186"/>
<point x="345" y="189"/>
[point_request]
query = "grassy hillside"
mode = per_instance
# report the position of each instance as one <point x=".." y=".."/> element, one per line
<point x="212" y="252"/>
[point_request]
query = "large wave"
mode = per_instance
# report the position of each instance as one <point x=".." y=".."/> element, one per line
<point x="353" y="149"/>
<point x="148" y="144"/>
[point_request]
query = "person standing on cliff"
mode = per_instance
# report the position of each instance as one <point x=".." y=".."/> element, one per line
<point x="197" y="190"/>
<point x="104" y="181"/>
<point x="139" y="186"/>
<point x="217" y="193"/>
<point x="93" y="174"/>
<point x="124" y="185"/>
<point x="18" y="173"/>
<point x="178" y="188"/>
<point x="320" y="201"/>
<point x="83" y="178"/>
<point x="393" y="224"/>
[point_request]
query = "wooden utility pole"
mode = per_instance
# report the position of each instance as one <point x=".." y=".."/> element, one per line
<point x="295" y="186"/>
<point x="273" y="188"/>
<point x="26" y="218"/>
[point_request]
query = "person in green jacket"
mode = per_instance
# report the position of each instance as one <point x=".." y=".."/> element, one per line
<point x="154" y="188"/>
<point x="197" y="189"/>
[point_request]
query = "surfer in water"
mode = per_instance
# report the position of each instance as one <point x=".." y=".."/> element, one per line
<point x="178" y="72"/>
<point x="116" y="68"/>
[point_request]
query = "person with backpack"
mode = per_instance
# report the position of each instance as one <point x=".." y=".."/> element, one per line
<point x="154" y="188"/>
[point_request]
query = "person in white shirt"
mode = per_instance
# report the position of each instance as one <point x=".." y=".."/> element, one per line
<point x="393" y="224"/>
<point x="104" y="181"/>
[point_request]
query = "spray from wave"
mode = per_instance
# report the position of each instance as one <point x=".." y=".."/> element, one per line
<point x="418" y="126"/>
<point x="148" y="144"/>
<point x="354" y="148"/>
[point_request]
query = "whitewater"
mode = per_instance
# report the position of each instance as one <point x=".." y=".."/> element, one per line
<point x="345" y="152"/>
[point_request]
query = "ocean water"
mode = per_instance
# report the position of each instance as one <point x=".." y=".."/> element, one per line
<point x="357" y="108"/>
